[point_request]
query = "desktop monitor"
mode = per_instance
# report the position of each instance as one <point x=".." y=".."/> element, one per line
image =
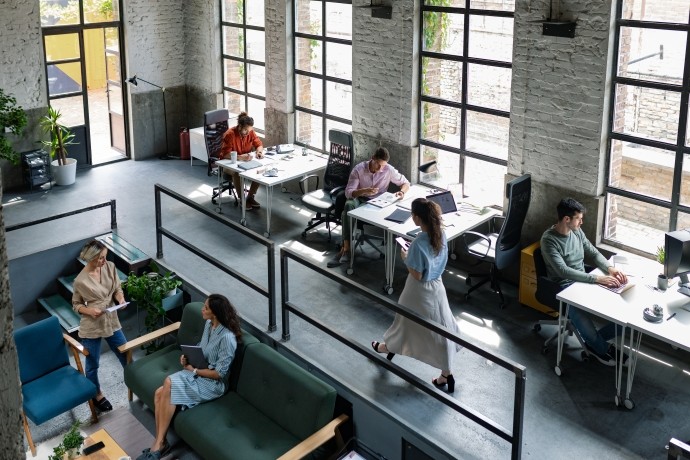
<point x="677" y="255"/>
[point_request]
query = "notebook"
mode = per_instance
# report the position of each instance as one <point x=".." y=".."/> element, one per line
<point x="445" y="200"/>
<point x="251" y="164"/>
<point x="619" y="289"/>
<point x="384" y="200"/>
<point x="194" y="356"/>
<point x="399" y="216"/>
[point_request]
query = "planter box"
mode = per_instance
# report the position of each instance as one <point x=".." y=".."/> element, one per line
<point x="174" y="301"/>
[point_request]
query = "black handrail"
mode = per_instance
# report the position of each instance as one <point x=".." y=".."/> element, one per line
<point x="287" y="307"/>
<point x="161" y="231"/>
<point x="678" y="449"/>
<point x="113" y="216"/>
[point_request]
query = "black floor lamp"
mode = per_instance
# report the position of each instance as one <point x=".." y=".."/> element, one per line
<point x="135" y="81"/>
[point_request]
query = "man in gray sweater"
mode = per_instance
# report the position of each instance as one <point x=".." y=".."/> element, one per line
<point x="564" y="247"/>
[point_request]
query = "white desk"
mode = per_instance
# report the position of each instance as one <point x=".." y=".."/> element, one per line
<point x="626" y="310"/>
<point x="290" y="167"/>
<point x="454" y="226"/>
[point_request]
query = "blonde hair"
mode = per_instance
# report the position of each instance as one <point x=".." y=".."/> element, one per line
<point x="91" y="250"/>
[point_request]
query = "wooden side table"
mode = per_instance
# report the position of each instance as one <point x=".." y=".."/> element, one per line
<point x="111" y="451"/>
<point x="528" y="281"/>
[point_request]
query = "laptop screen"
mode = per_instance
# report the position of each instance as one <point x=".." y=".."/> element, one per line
<point x="445" y="200"/>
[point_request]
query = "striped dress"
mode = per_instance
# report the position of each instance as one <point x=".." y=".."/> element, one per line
<point x="218" y="346"/>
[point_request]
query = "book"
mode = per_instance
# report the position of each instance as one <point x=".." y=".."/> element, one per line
<point x="195" y="356"/>
<point x="384" y="200"/>
<point x="399" y="216"/>
<point x="117" y="307"/>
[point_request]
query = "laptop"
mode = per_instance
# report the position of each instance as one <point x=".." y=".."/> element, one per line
<point x="445" y="200"/>
<point x="620" y="289"/>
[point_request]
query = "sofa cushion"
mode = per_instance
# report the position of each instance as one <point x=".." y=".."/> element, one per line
<point x="293" y="398"/>
<point x="230" y="428"/>
<point x="147" y="373"/>
<point x="192" y="324"/>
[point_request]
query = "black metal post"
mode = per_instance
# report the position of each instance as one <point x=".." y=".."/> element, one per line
<point x="113" y="215"/>
<point x="159" y="223"/>
<point x="284" y="295"/>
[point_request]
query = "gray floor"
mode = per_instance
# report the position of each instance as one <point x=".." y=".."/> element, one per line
<point x="568" y="417"/>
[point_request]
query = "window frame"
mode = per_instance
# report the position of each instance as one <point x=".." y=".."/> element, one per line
<point x="679" y="149"/>
<point x="323" y="77"/>
<point x="463" y="106"/>
<point x="244" y="94"/>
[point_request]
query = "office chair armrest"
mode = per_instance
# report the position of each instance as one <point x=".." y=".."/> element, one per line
<point x="335" y="191"/>
<point x="466" y="244"/>
<point x="306" y="178"/>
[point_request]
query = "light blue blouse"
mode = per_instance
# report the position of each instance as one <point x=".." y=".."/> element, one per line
<point x="421" y="258"/>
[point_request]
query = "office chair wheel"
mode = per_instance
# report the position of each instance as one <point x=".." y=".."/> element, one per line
<point x="537" y="327"/>
<point x="349" y="271"/>
<point x="585" y="356"/>
<point x="544" y="350"/>
<point x="557" y="370"/>
<point x="219" y="210"/>
<point x="388" y="289"/>
<point x="243" y="222"/>
<point x="453" y="256"/>
<point x="629" y="404"/>
<point x="267" y="234"/>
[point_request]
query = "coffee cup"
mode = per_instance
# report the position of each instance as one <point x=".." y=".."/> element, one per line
<point x="662" y="282"/>
<point x="233" y="157"/>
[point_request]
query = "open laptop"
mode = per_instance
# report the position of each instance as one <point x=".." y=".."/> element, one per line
<point x="445" y="200"/>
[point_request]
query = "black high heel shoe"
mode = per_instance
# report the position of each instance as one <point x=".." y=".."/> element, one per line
<point x="450" y="381"/>
<point x="375" y="345"/>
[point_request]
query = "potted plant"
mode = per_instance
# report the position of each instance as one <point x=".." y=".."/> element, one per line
<point x="69" y="447"/>
<point x="155" y="294"/>
<point x="65" y="169"/>
<point x="12" y="118"/>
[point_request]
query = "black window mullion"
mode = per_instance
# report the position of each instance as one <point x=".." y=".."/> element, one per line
<point x="324" y="134"/>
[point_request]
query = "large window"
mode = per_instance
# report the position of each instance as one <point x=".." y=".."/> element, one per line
<point x="244" y="59"/>
<point x="465" y="95"/>
<point x="648" y="185"/>
<point x="323" y="70"/>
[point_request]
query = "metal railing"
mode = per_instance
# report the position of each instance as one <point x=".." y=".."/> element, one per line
<point x="678" y="449"/>
<point x="269" y="292"/>
<point x="113" y="216"/>
<point x="287" y="307"/>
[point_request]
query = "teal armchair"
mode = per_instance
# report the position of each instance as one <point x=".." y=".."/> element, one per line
<point x="50" y="385"/>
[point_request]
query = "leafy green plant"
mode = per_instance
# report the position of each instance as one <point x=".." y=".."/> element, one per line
<point x="660" y="254"/>
<point x="12" y="117"/>
<point x="148" y="291"/>
<point x="70" y="443"/>
<point x="60" y="136"/>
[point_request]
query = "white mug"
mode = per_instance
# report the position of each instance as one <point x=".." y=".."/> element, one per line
<point x="233" y="157"/>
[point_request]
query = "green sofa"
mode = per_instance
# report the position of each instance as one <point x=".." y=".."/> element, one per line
<point x="273" y="408"/>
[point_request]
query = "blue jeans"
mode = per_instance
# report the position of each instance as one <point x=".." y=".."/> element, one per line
<point x="597" y="340"/>
<point x="94" y="348"/>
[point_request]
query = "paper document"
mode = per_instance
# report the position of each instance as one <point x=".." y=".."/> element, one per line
<point x="117" y="307"/>
<point x="384" y="200"/>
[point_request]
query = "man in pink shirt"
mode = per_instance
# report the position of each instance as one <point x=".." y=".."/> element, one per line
<point x="368" y="179"/>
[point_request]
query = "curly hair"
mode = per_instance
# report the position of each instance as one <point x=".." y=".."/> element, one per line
<point x="430" y="215"/>
<point x="225" y="313"/>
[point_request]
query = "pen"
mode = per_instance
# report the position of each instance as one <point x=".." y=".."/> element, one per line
<point x="670" y="317"/>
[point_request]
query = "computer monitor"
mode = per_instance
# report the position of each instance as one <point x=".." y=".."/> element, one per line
<point x="677" y="255"/>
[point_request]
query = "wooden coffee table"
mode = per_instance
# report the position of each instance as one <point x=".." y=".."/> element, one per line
<point x="111" y="451"/>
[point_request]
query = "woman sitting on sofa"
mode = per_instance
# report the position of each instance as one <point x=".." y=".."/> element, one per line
<point x="190" y="386"/>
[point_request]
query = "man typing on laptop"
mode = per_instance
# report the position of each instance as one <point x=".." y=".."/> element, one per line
<point x="367" y="180"/>
<point x="564" y="248"/>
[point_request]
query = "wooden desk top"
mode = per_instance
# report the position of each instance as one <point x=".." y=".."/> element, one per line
<point x="111" y="451"/>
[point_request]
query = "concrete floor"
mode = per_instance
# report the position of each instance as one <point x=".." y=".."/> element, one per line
<point x="568" y="417"/>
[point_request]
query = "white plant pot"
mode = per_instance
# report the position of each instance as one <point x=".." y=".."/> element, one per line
<point x="67" y="174"/>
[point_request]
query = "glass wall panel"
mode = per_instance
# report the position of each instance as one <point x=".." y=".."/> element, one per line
<point x="308" y="55"/>
<point x="63" y="46"/>
<point x="309" y="92"/>
<point x="308" y="16"/>
<point x="491" y="38"/>
<point x="64" y="78"/>
<point x="487" y="134"/>
<point x="71" y="109"/>
<point x="256" y="80"/>
<point x="484" y="182"/>
<point x="339" y="20"/>
<point x="489" y="86"/>
<point x="443" y="32"/>
<point x="652" y="54"/>
<point x="255" y="12"/>
<point x="339" y="61"/>
<point x="641" y="169"/>
<point x="62" y="13"/>
<point x="339" y="100"/>
<point x="256" y="108"/>
<point x="442" y="78"/>
<point x="256" y="45"/>
<point x="309" y="129"/>
<point x="644" y="10"/>
<point x="441" y="124"/>
<point x="648" y="113"/>
<point x="233" y="41"/>
<point x="634" y="223"/>
<point x="234" y="74"/>
<point x="232" y="11"/>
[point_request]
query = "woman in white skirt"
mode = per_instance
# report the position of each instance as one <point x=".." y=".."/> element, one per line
<point x="425" y="294"/>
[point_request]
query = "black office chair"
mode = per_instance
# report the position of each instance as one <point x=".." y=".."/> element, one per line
<point x="215" y="126"/>
<point x="546" y="293"/>
<point x="328" y="202"/>
<point x="500" y="250"/>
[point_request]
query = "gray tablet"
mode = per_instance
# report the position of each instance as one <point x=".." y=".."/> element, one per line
<point x="194" y="356"/>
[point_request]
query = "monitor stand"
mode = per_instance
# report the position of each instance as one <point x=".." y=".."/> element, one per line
<point x="684" y="285"/>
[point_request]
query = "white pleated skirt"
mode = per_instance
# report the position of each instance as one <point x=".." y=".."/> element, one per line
<point x="405" y="337"/>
